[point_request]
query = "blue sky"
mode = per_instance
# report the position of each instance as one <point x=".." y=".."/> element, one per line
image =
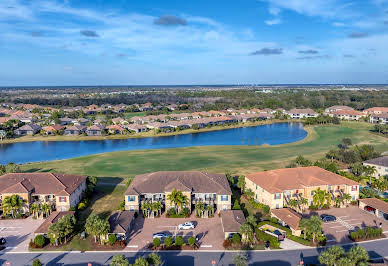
<point x="138" y="42"/>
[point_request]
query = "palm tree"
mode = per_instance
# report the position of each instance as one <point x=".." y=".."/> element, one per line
<point x="293" y="203"/>
<point x="381" y="184"/>
<point x="146" y="207"/>
<point x="199" y="209"/>
<point x="157" y="207"/>
<point x="178" y="199"/>
<point x="321" y="196"/>
<point x="303" y="202"/>
<point x="246" y="232"/>
<point x="370" y="171"/>
<point x="346" y="197"/>
<point x="46" y="208"/>
<point x="338" y="202"/>
<point x="35" y="210"/>
<point x="210" y="209"/>
<point x="303" y="224"/>
<point x="331" y="255"/>
<point x="314" y="226"/>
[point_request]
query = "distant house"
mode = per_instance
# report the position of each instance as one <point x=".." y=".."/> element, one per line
<point x="65" y="121"/>
<point x="338" y="108"/>
<point x="379" y="118"/>
<point x="136" y="128"/>
<point x="49" y="130"/>
<point x="118" y="121"/>
<point x="302" y="113"/>
<point x="381" y="165"/>
<point x="120" y="223"/>
<point x="115" y="129"/>
<point x="95" y="130"/>
<point x="4" y="120"/>
<point x="288" y="217"/>
<point x="30" y="129"/>
<point x="146" y="107"/>
<point x="75" y="130"/>
<point x="347" y="114"/>
<point x="82" y="121"/>
<point x="376" y="110"/>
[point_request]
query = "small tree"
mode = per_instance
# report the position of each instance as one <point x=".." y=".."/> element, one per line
<point x="179" y="241"/>
<point x="112" y="239"/>
<point x="191" y="241"/>
<point x="240" y="259"/>
<point x="241" y="183"/>
<point x="236" y="205"/>
<point x="168" y="241"/>
<point x="236" y="238"/>
<point x="154" y="259"/>
<point x="331" y="255"/>
<point x="141" y="261"/>
<point x="36" y="262"/>
<point x="119" y="260"/>
<point x="39" y="240"/>
<point x="156" y="242"/>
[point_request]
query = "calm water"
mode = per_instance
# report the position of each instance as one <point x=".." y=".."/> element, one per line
<point x="273" y="134"/>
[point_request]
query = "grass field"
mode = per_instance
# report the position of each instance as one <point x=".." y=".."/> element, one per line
<point x="237" y="159"/>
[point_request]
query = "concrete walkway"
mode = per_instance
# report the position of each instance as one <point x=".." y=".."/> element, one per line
<point x="289" y="244"/>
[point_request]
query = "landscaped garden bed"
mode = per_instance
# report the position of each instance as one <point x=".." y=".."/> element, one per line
<point x="367" y="233"/>
<point x="170" y="244"/>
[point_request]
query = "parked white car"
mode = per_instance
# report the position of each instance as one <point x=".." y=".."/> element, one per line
<point x="186" y="226"/>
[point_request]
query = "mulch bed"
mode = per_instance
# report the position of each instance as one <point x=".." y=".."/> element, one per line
<point x="161" y="247"/>
<point x="367" y="239"/>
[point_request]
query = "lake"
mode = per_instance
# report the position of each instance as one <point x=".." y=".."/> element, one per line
<point x="272" y="134"/>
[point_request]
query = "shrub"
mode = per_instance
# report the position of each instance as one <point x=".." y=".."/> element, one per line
<point x="273" y="241"/>
<point x="40" y="240"/>
<point x="171" y="212"/>
<point x="179" y="241"/>
<point x="168" y="241"/>
<point x="236" y="238"/>
<point x="156" y="242"/>
<point x="366" y="233"/>
<point x="185" y="211"/>
<point x="236" y="205"/>
<point x="122" y="205"/>
<point x="273" y="220"/>
<point x="258" y="205"/>
<point x="81" y="206"/>
<point x="36" y="262"/>
<point x="112" y="239"/>
<point x="191" y="241"/>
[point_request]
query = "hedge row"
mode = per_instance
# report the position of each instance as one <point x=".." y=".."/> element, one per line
<point x="366" y="233"/>
<point x="258" y="205"/>
<point x="261" y="235"/>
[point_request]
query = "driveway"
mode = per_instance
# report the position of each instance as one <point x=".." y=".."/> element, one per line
<point x="348" y="219"/>
<point x="208" y="229"/>
<point x="18" y="232"/>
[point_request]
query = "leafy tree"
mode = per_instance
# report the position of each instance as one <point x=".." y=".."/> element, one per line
<point x="191" y="241"/>
<point x="112" y="239"/>
<point x="92" y="180"/>
<point x="346" y="141"/>
<point x="154" y="259"/>
<point x="236" y="205"/>
<point x="314" y="226"/>
<point x="246" y="232"/>
<point x="358" y="254"/>
<point x="168" y="241"/>
<point x="156" y="242"/>
<point x="119" y="260"/>
<point x="141" y="261"/>
<point x="241" y="183"/>
<point x="36" y="262"/>
<point x="179" y="241"/>
<point x="12" y="168"/>
<point x="300" y="160"/>
<point x="68" y="224"/>
<point x="381" y="184"/>
<point x="240" y="259"/>
<point x="128" y="181"/>
<point x="40" y="240"/>
<point x="303" y="224"/>
<point x="236" y="238"/>
<point x="331" y="255"/>
<point x="293" y="203"/>
<point x="367" y="192"/>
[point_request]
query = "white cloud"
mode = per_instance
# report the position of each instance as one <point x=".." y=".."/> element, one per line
<point x="339" y="24"/>
<point x="274" y="11"/>
<point x="274" y="21"/>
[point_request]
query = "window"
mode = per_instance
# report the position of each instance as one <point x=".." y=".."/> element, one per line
<point x="62" y="199"/>
<point x="277" y="206"/>
<point x="278" y="196"/>
<point x="224" y="197"/>
<point x="256" y="196"/>
<point x="354" y="188"/>
<point x="256" y="186"/>
<point x="131" y="198"/>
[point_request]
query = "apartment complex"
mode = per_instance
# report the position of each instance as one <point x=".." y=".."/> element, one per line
<point x="208" y="188"/>
<point x="63" y="191"/>
<point x="381" y="165"/>
<point x="276" y="188"/>
<point x="301" y="113"/>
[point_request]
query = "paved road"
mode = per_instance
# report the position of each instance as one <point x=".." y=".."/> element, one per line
<point x="376" y="249"/>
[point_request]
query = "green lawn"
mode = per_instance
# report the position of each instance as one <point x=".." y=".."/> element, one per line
<point x="237" y="159"/>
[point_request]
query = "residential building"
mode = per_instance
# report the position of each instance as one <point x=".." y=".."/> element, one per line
<point x="63" y="191"/>
<point x="120" y="223"/>
<point x="95" y="130"/>
<point x="75" y="130"/>
<point x="231" y="221"/>
<point x="65" y="121"/>
<point x="50" y="130"/>
<point x="347" y="114"/>
<point x="288" y="217"/>
<point x="54" y="217"/>
<point x="379" y="118"/>
<point x="301" y="113"/>
<point x="276" y="188"/>
<point x="208" y="188"/>
<point x="336" y="108"/>
<point x="29" y="129"/>
<point x="381" y="165"/>
<point x="375" y="206"/>
<point x="115" y="129"/>
<point x="376" y="110"/>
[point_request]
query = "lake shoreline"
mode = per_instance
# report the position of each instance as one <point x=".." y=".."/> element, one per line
<point x="142" y="135"/>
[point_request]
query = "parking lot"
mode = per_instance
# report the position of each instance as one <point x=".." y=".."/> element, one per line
<point x="348" y="219"/>
<point x="209" y="231"/>
<point x="18" y="232"/>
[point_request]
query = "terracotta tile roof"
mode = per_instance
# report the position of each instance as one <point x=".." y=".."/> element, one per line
<point x="347" y="112"/>
<point x="288" y="216"/>
<point x="339" y="107"/>
<point x="301" y="111"/>
<point x="40" y="183"/>
<point x="231" y="220"/>
<point x="120" y="221"/>
<point x="198" y="182"/>
<point x="377" y="109"/>
<point x="53" y="218"/>
<point x="53" y="128"/>
<point x="383" y="115"/>
<point x="382" y="161"/>
<point x="276" y="181"/>
<point x="4" y="119"/>
<point x="376" y="203"/>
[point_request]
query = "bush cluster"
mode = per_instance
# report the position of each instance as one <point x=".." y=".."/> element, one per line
<point x="273" y="241"/>
<point x="366" y="233"/>
<point x="40" y="241"/>
<point x="258" y="205"/>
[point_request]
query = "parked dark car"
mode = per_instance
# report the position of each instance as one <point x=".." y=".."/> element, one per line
<point x="280" y="235"/>
<point x="2" y="241"/>
<point x="328" y="218"/>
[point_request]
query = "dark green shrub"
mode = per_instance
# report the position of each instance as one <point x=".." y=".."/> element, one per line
<point x="156" y="242"/>
<point x="236" y="238"/>
<point x="191" y="241"/>
<point x="168" y="241"/>
<point x="273" y="220"/>
<point x="171" y="211"/>
<point x="112" y="239"/>
<point x="236" y="205"/>
<point x="36" y="262"/>
<point x="261" y="235"/>
<point x="185" y="211"/>
<point x="40" y="240"/>
<point x="179" y="241"/>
